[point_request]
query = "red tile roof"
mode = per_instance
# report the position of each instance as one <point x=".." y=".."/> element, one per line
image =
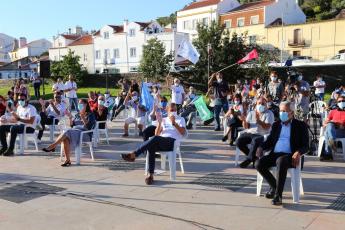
<point x="199" y="4"/>
<point x="84" y="40"/>
<point x="71" y="36"/>
<point x="253" y="5"/>
<point x="117" y="29"/>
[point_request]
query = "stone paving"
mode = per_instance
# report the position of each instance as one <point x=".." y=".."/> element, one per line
<point x="36" y="193"/>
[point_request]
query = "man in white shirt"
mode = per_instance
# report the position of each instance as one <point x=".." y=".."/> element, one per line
<point x="71" y="93"/>
<point x="25" y="115"/>
<point x="320" y="86"/>
<point x="59" y="86"/>
<point x="168" y="130"/>
<point x="55" y="110"/>
<point x="177" y="94"/>
<point x="257" y="124"/>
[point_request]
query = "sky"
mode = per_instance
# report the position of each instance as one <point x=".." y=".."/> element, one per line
<point x="37" y="19"/>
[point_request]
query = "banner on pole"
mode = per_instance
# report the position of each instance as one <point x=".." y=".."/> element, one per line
<point x="204" y="113"/>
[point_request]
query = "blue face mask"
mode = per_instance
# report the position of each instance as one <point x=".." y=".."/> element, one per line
<point x="261" y="108"/>
<point x="341" y="105"/>
<point x="80" y="106"/>
<point x="100" y="102"/>
<point x="164" y="104"/>
<point x="21" y="103"/>
<point x="284" y="116"/>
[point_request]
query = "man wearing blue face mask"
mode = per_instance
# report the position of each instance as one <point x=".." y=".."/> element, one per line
<point x="287" y="142"/>
<point x="257" y="124"/>
<point x="334" y="128"/>
<point x="26" y="114"/>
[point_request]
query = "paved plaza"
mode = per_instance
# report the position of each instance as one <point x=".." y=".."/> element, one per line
<point x="108" y="193"/>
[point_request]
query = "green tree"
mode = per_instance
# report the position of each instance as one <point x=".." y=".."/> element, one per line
<point x="68" y="65"/>
<point x="154" y="63"/>
<point x="171" y="19"/>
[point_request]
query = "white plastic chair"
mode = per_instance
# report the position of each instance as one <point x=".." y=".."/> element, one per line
<point x="238" y="151"/>
<point x="296" y="182"/>
<point x="171" y="158"/>
<point x="99" y="131"/>
<point x="52" y="129"/>
<point x="78" y="149"/>
<point x="322" y="141"/>
<point x="23" y="139"/>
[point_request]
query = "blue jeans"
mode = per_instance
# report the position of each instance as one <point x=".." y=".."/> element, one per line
<point x="320" y="96"/>
<point x="73" y="101"/>
<point x="218" y="109"/>
<point x="332" y="133"/>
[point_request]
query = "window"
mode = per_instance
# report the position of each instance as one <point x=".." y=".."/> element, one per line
<point x="254" y="20"/>
<point x="194" y="24"/>
<point x="227" y="24"/>
<point x="133" y="52"/>
<point x="106" y="54"/>
<point x="252" y="40"/>
<point x="240" y="22"/>
<point x="133" y="69"/>
<point x="186" y="25"/>
<point x="98" y="54"/>
<point x="296" y="53"/>
<point x="116" y="53"/>
<point x="205" y="21"/>
<point x="132" y="32"/>
<point x="85" y="57"/>
<point x="106" y="35"/>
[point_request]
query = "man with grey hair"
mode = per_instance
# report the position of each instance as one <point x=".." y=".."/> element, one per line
<point x="257" y="124"/>
<point x="287" y="142"/>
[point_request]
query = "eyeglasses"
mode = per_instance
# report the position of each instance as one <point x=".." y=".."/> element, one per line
<point x="21" y="100"/>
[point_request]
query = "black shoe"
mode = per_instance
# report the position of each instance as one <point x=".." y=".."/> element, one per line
<point x="225" y="138"/>
<point x="8" y="153"/>
<point x="270" y="194"/>
<point x="277" y="200"/>
<point x="66" y="164"/>
<point x="2" y="151"/>
<point x="48" y="150"/>
<point x="217" y="129"/>
<point x="232" y="143"/>
<point x="328" y="157"/>
<point x="245" y="163"/>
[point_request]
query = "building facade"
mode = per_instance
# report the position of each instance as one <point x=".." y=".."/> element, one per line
<point x="32" y="49"/>
<point x="203" y="12"/>
<point x="119" y="48"/>
<point x="6" y="46"/>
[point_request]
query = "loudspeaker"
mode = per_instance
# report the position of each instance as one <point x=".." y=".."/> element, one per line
<point x="44" y="69"/>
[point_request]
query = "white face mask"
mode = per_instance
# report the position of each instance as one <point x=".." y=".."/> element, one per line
<point x="273" y="78"/>
<point x="300" y="78"/>
<point x="176" y="84"/>
<point x="173" y="114"/>
<point x="341" y="105"/>
<point x="219" y="80"/>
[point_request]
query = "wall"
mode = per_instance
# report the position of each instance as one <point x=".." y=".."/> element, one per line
<point x="243" y="14"/>
<point x="56" y="54"/>
<point x="85" y="51"/>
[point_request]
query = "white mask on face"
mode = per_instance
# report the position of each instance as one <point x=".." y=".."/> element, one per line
<point x="273" y="78"/>
<point x="219" y="80"/>
<point x="176" y="84"/>
<point x="134" y="98"/>
<point x="300" y="78"/>
<point x="173" y="114"/>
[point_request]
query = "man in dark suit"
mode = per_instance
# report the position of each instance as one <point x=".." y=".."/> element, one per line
<point x="287" y="142"/>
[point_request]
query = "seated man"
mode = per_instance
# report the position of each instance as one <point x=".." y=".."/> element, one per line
<point x="137" y="113"/>
<point x="335" y="128"/>
<point x="257" y="124"/>
<point x="55" y="110"/>
<point x="26" y="114"/>
<point x="168" y="131"/>
<point x="287" y="142"/>
<point x="118" y="105"/>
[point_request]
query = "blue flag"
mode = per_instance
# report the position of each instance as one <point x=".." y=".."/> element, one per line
<point x="146" y="99"/>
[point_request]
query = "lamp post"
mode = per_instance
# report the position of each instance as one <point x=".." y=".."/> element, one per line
<point x="209" y="47"/>
<point x="106" y="71"/>
<point x="282" y="46"/>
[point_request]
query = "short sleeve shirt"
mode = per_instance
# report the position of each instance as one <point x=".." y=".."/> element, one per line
<point x="169" y="130"/>
<point x="27" y="112"/>
<point x="176" y="94"/>
<point x="266" y="117"/>
<point x="220" y="89"/>
<point x="60" y="107"/>
<point x="71" y="93"/>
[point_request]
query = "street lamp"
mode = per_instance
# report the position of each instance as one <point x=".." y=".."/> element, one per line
<point x="209" y="47"/>
<point x="106" y="71"/>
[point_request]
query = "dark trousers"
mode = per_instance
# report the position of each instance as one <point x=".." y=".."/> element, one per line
<point x="149" y="132"/>
<point x="178" y="108"/>
<point x="234" y="123"/>
<point x="14" y="130"/>
<point x="218" y="109"/>
<point x="45" y="120"/>
<point x="248" y="138"/>
<point x="153" y="145"/>
<point x="37" y="90"/>
<point x="283" y="162"/>
<point x="189" y="114"/>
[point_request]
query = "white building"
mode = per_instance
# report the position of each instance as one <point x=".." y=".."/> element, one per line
<point x="6" y="45"/>
<point x="119" y="47"/>
<point x="32" y="49"/>
<point x="202" y="11"/>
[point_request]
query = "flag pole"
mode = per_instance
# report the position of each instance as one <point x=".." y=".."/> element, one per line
<point x="227" y="67"/>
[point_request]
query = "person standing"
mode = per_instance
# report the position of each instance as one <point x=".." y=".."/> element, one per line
<point x="320" y="86"/>
<point x="221" y="90"/>
<point x="177" y="94"/>
<point x="36" y="82"/>
<point x="58" y="86"/>
<point x="275" y="88"/>
<point x="71" y="93"/>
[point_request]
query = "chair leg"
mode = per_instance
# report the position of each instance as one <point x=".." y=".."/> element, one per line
<point x="107" y="136"/>
<point x="78" y="154"/>
<point x="319" y="149"/>
<point x="163" y="161"/>
<point x="180" y="158"/>
<point x="147" y="164"/>
<point x="172" y="165"/>
<point x="35" y="142"/>
<point x="237" y="156"/>
<point x="21" y="144"/>
<point x="343" y="146"/>
<point x="259" y="181"/>
<point x="295" y="184"/>
<point x="91" y="151"/>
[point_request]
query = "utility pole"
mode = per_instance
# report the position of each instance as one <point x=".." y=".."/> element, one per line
<point x="208" y="59"/>
<point x="282" y="45"/>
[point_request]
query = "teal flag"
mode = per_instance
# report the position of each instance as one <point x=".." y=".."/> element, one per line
<point x="204" y="113"/>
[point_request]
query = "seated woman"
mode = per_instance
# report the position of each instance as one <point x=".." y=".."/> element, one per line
<point x="83" y="121"/>
<point x="101" y="112"/>
<point x="3" y="105"/>
<point x="234" y="118"/>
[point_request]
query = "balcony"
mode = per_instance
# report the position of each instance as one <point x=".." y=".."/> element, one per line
<point x="297" y="43"/>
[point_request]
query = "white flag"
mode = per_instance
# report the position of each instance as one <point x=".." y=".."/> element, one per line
<point x="188" y="51"/>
